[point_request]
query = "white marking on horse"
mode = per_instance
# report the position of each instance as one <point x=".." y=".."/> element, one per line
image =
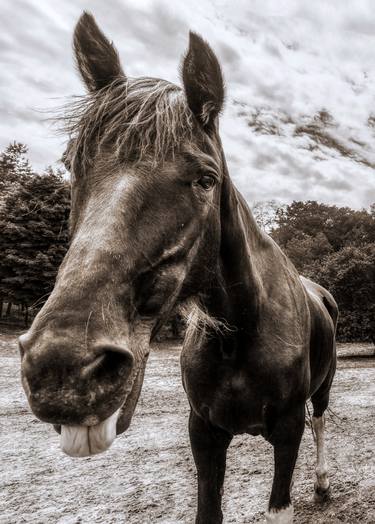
<point x="280" y="516"/>
<point x="322" y="481"/>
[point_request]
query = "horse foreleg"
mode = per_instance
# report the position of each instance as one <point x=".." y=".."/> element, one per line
<point x="322" y="481"/>
<point x="285" y="438"/>
<point x="209" y="446"/>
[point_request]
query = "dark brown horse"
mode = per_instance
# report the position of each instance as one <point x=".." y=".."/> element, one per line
<point x="157" y="222"/>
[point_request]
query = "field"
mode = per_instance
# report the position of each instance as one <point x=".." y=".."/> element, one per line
<point x="148" y="475"/>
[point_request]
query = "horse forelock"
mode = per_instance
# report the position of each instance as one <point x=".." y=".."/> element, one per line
<point x="143" y="118"/>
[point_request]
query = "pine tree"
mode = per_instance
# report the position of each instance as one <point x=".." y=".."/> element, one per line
<point x="33" y="237"/>
<point x="14" y="165"/>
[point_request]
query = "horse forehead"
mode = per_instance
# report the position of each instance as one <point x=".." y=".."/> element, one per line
<point x="111" y="194"/>
<point x="112" y="209"/>
<point x="102" y="216"/>
<point x="121" y="188"/>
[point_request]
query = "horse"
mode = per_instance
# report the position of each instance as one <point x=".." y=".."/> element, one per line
<point x="156" y="223"/>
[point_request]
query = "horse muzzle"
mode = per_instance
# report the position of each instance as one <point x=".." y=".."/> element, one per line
<point x="72" y="389"/>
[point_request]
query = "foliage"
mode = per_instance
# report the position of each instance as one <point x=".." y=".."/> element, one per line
<point x="33" y="236"/>
<point x="14" y="166"/>
<point x="335" y="247"/>
<point x="350" y="275"/>
<point x="14" y="169"/>
<point x="265" y="213"/>
<point x="341" y="225"/>
<point x="305" y="250"/>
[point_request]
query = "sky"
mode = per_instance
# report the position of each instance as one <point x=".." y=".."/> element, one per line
<point x="299" y="120"/>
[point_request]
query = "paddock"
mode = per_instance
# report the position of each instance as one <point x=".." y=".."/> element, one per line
<point x="148" y="475"/>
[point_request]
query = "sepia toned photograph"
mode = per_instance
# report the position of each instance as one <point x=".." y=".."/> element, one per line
<point x="187" y="262"/>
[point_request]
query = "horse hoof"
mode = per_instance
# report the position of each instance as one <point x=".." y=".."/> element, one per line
<point x="320" y="494"/>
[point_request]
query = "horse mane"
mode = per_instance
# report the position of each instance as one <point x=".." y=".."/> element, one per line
<point x="143" y="117"/>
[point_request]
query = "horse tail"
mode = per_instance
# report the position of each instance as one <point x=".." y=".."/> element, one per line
<point x="332" y="308"/>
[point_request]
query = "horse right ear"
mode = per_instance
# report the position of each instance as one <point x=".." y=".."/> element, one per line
<point x="97" y="59"/>
<point x="203" y="81"/>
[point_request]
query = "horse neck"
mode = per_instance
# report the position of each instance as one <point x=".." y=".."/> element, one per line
<point x="237" y="294"/>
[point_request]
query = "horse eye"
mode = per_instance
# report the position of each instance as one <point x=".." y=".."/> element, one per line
<point x="207" y="181"/>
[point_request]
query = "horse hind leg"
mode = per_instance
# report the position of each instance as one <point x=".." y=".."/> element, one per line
<point x="322" y="484"/>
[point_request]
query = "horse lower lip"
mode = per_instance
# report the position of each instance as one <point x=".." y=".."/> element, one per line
<point x="83" y="441"/>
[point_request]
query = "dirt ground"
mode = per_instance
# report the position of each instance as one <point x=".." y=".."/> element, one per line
<point x="148" y="475"/>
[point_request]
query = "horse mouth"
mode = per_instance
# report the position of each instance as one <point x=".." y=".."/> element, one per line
<point x="84" y="441"/>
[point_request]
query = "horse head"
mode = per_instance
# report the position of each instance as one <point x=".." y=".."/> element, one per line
<point x="147" y="170"/>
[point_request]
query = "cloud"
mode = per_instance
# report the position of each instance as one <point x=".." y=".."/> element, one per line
<point x="287" y="60"/>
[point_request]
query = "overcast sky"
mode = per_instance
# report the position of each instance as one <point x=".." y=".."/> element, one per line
<point x="283" y="61"/>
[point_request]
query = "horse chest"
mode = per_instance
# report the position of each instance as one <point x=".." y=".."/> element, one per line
<point x="237" y="405"/>
<point x="230" y="399"/>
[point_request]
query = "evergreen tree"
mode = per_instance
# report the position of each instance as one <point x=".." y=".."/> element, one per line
<point x="14" y="165"/>
<point x="33" y="237"/>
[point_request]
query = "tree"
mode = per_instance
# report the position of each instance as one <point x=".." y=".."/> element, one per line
<point x="33" y="237"/>
<point x="265" y="213"/>
<point x="350" y="276"/>
<point x="335" y="247"/>
<point x="341" y="225"/>
<point x="14" y="165"/>
<point x="305" y="250"/>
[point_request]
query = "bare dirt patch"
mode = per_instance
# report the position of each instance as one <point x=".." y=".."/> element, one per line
<point x="148" y="475"/>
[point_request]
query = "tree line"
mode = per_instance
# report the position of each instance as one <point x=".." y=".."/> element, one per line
<point x="334" y="246"/>
<point x="34" y="211"/>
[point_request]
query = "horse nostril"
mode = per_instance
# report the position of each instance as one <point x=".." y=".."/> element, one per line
<point x="90" y="369"/>
<point x="110" y="362"/>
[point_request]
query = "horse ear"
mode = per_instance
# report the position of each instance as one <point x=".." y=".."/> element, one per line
<point x="97" y="59"/>
<point x="203" y="80"/>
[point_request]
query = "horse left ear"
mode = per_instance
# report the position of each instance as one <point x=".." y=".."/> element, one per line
<point x="203" y="81"/>
<point x="97" y="59"/>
